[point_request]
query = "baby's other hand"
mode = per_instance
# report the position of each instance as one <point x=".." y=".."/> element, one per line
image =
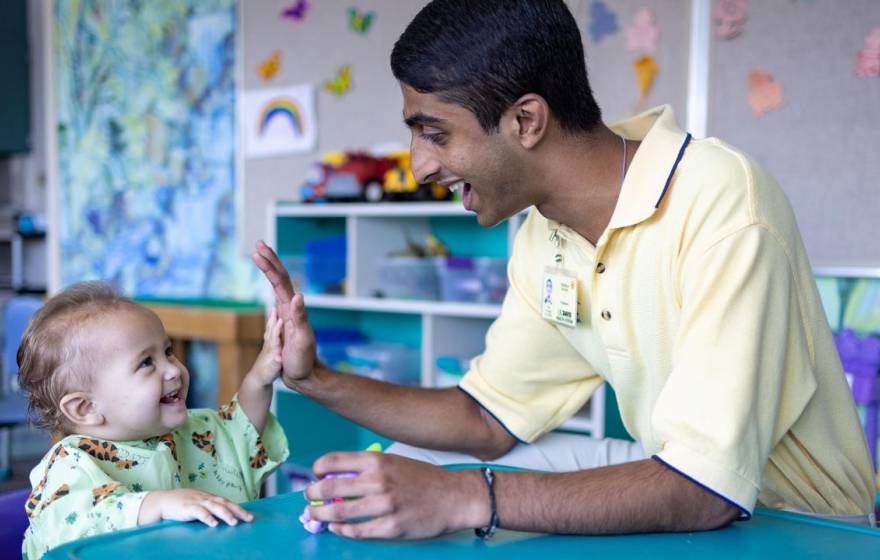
<point x="268" y="364"/>
<point x="186" y="504"/>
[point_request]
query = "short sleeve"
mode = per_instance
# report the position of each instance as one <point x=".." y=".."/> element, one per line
<point x="73" y="498"/>
<point x="742" y="372"/>
<point x="256" y="454"/>
<point x="530" y="377"/>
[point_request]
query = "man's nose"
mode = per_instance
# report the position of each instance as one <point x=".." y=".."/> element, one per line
<point x="424" y="166"/>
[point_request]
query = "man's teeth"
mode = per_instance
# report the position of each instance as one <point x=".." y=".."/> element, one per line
<point x="456" y="186"/>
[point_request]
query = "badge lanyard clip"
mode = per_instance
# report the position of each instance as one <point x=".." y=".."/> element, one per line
<point x="559" y="293"/>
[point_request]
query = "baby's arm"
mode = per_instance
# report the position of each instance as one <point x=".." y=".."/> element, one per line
<point x="255" y="394"/>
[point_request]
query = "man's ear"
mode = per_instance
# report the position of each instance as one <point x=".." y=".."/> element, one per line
<point x="530" y="117"/>
<point x="80" y="410"/>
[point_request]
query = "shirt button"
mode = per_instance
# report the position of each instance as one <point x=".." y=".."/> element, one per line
<point x="600" y="268"/>
<point x="606" y="314"/>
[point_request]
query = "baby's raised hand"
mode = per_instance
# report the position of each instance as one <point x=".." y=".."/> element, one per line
<point x="268" y="364"/>
<point x="186" y="504"/>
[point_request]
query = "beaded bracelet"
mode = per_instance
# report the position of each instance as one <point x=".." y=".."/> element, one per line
<point x="486" y="533"/>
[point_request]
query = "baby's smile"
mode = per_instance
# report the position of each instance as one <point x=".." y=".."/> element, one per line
<point x="172" y="397"/>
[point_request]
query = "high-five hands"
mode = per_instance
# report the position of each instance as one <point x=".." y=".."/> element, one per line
<point x="298" y="354"/>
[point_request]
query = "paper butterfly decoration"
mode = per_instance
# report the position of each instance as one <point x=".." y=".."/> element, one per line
<point x="764" y="93"/>
<point x="643" y="33"/>
<point x="297" y="11"/>
<point x="360" y="21"/>
<point x="602" y="21"/>
<point x="646" y="70"/>
<point x="340" y="85"/>
<point x="269" y="67"/>
<point x="730" y="17"/>
<point x="868" y="60"/>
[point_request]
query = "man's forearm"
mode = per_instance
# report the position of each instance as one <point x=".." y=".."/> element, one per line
<point x="637" y="497"/>
<point x="443" y="419"/>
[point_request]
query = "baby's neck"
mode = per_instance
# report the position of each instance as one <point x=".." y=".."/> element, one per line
<point x="90" y="432"/>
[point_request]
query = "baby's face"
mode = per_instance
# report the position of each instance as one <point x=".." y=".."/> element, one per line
<point x="138" y="386"/>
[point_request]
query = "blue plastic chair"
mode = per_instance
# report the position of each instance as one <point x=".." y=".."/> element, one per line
<point x="13" y="522"/>
<point x="13" y="404"/>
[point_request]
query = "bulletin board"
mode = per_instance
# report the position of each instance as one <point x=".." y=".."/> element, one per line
<point x="605" y="30"/>
<point x="822" y="142"/>
<point x="316" y="39"/>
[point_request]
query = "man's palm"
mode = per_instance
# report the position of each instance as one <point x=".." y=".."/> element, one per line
<point x="298" y="354"/>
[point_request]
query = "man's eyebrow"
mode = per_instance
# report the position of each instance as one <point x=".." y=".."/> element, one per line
<point x="421" y="118"/>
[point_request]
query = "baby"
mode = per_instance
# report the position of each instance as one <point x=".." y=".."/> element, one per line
<point x="100" y="372"/>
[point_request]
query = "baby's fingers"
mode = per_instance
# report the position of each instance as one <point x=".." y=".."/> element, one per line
<point x="276" y="332"/>
<point x="236" y="509"/>
<point x="221" y="510"/>
<point x="270" y="324"/>
<point x="201" y="513"/>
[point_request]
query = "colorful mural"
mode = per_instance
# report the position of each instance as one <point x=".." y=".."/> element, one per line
<point x="146" y="143"/>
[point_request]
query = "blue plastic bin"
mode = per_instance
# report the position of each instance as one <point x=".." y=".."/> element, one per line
<point x="333" y="341"/>
<point x="325" y="265"/>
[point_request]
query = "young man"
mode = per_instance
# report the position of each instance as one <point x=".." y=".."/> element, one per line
<point x="692" y="296"/>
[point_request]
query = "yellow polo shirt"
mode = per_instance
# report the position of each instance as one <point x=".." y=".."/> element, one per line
<point x="698" y="306"/>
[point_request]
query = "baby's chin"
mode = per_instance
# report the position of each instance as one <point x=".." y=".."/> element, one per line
<point x="177" y="422"/>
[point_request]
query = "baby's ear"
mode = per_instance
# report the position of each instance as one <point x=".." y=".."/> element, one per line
<point x="79" y="409"/>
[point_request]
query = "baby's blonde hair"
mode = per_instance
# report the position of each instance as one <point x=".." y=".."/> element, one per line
<point x="50" y="358"/>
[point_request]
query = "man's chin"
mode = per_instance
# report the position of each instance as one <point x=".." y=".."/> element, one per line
<point x="487" y="220"/>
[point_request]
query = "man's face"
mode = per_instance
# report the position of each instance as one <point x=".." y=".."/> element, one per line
<point x="450" y="147"/>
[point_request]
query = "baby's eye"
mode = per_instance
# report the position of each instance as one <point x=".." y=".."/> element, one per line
<point x="146" y="362"/>
<point x="169" y="351"/>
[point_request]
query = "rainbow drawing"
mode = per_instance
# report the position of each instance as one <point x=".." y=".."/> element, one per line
<point x="282" y="106"/>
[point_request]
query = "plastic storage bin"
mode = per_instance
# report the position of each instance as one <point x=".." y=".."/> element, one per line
<point x="408" y="278"/>
<point x="325" y="265"/>
<point x="333" y="343"/>
<point x="458" y="279"/>
<point x="385" y="361"/>
<point x="472" y="279"/>
<point x="493" y="274"/>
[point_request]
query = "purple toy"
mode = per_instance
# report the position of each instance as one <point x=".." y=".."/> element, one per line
<point x="314" y="526"/>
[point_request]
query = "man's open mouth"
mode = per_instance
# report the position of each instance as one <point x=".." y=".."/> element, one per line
<point x="459" y="186"/>
<point x="465" y="189"/>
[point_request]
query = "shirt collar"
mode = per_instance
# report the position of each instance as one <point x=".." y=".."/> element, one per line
<point x="651" y="170"/>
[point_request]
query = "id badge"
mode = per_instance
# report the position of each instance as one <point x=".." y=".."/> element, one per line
<point x="559" y="300"/>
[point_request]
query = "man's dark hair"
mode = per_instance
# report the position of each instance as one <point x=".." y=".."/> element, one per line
<point x="485" y="54"/>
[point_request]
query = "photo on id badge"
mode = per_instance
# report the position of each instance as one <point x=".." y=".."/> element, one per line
<point x="559" y="303"/>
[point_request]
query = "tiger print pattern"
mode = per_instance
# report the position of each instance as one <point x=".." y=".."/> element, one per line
<point x="36" y="495"/>
<point x="261" y="458"/>
<point x="103" y="492"/>
<point x="205" y="442"/>
<point x="105" y="451"/>
<point x="168" y="439"/>
<point x="227" y="410"/>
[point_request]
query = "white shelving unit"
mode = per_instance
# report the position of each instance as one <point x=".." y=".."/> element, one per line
<point x="374" y="230"/>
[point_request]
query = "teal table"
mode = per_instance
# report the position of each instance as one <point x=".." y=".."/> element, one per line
<point x="276" y="533"/>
